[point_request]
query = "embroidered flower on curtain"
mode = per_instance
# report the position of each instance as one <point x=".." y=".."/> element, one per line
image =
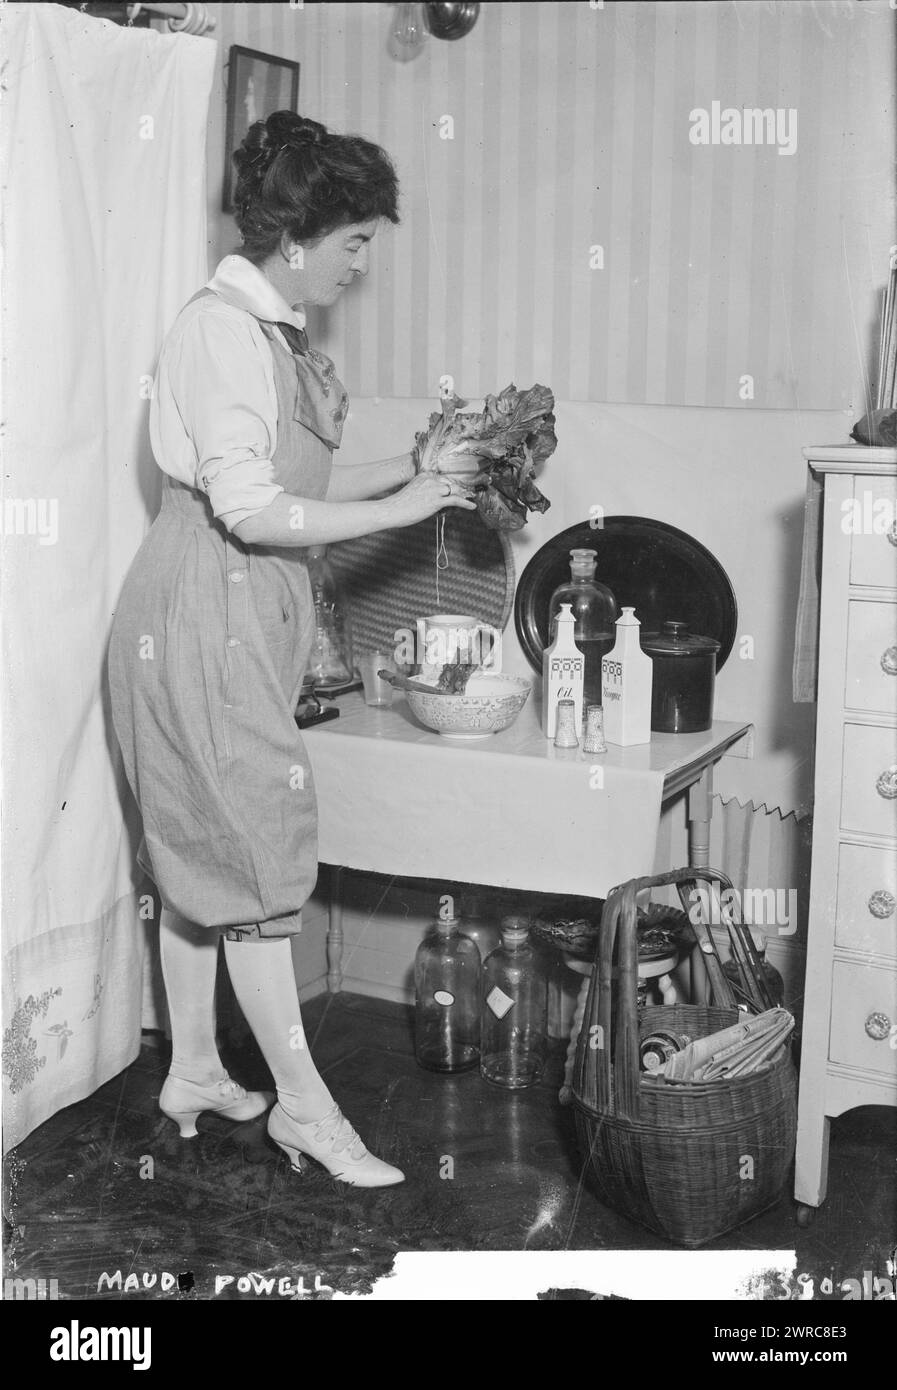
<point x="20" y="1060"/>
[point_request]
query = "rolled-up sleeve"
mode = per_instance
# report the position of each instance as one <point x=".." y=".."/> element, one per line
<point x="217" y="375"/>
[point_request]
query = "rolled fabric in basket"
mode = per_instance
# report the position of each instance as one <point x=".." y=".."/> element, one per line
<point x="720" y="1053"/>
<point x="700" y="1053"/>
<point x="750" y="1060"/>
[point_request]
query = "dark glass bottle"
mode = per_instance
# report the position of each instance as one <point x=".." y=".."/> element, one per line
<point x="478" y="923"/>
<point x="595" y="612"/>
<point x="447" y="973"/>
<point x="774" y="982"/>
<point x="515" y="1010"/>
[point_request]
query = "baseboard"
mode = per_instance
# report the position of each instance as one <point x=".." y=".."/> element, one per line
<point x="394" y="993"/>
<point x="312" y="989"/>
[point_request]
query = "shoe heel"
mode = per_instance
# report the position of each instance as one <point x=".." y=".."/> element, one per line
<point x="185" y="1121"/>
<point x="298" y="1161"/>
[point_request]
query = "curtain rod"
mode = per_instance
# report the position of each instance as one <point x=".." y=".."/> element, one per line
<point x="186" y="18"/>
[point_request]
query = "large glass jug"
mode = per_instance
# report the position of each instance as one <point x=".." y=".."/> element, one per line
<point x="447" y="974"/>
<point x="595" y="611"/>
<point x="515" y="1010"/>
<point x="330" y="662"/>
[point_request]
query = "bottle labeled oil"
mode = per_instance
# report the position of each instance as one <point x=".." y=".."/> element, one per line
<point x="447" y="975"/>
<point x="515" y="1010"/>
<point x="563" y="674"/>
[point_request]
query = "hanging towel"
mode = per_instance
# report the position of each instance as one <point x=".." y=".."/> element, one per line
<point x="806" y="632"/>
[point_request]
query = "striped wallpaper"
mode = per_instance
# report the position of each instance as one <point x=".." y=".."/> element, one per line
<point x="571" y="131"/>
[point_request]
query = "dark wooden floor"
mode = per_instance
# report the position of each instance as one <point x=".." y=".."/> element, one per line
<point x="80" y="1202"/>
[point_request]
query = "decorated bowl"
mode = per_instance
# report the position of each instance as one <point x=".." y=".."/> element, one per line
<point x="490" y="703"/>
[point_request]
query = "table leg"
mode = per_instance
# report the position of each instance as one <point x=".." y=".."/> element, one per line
<point x="811" y="1158"/>
<point x="700" y="814"/>
<point x="566" y="1091"/>
<point x="335" y="932"/>
<point x="668" y="991"/>
<point x="685" y="971"/>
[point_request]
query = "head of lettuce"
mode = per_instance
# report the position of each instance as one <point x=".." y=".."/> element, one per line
<point x="493" y="452"/>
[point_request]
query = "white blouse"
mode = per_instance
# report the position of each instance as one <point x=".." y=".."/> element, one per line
<point x="213" y="415"/>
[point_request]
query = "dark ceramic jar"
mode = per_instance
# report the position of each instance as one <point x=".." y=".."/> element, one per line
<point x="684" y="677"/>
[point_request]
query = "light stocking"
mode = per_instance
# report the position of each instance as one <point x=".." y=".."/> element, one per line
<point x="189" y="963"/>
<point x="262" y="975"/>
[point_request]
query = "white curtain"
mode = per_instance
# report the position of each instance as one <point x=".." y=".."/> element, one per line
<point x="103" y="147"/>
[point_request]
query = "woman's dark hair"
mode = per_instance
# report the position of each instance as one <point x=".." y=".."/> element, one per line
<point x="295" y="176"/>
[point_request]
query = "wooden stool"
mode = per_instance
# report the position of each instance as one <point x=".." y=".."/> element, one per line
<point x="659" y="970"/>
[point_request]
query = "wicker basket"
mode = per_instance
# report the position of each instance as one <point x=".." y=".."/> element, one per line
<point x="687" y="1160"/>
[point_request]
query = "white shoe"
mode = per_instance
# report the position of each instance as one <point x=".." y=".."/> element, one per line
<point x="332" y="1142"/>
<point x="182" y="1101"/>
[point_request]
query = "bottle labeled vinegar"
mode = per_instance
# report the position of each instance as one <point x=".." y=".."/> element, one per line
<point x="626" y="679"/>
<point x="447" y="975"/>
<point x="515" y="1010"/>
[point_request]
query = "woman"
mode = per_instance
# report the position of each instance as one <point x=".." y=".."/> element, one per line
<point x="215" y="622"/>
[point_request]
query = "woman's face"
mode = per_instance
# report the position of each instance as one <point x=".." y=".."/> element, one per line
<point x="322" y="271"/>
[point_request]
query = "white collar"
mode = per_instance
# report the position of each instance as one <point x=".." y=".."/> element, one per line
<point x="242" y="284"/>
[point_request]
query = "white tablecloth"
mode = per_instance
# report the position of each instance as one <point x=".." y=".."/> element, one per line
<point x="510" y="811"/>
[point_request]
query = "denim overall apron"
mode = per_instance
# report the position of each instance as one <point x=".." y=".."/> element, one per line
<point x="207" y="655"/>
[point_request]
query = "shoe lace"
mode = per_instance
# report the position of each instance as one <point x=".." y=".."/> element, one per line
<point x="336" y="1128"/>
<point x="230" y="1089"/>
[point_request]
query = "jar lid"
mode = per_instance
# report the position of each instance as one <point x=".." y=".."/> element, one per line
<point x="674" y="639"/>
<point x="515" y="928"/>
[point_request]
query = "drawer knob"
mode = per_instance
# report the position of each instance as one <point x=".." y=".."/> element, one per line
<point x="889" y="661"/>
<point x="892" y="533"/>
<point x="878" y="1026"/>
<point x="882" y="903"/>
<point x="886" y="785"/>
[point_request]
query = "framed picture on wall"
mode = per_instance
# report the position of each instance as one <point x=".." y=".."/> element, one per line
<point x="257" y="84"/>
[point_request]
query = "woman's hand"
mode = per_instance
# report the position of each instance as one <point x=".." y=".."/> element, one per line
<point x="424" y="496"/>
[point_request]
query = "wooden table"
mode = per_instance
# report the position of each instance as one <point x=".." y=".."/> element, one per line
<point x="508" y="811"/>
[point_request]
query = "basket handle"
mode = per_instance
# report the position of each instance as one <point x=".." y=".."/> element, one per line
<point x="621" y="917"/>
<point x="591" y="1074"/>
<point x="721" y="990"/>
<point x="677" y="877"/>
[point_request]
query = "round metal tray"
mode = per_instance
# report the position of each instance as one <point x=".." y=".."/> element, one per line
<point x="648" y="565"/>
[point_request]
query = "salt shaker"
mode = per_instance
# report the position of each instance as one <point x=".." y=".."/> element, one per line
<point x="565" y="735"/>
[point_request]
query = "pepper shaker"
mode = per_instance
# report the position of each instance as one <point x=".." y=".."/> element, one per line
<point x="594" y="741"/>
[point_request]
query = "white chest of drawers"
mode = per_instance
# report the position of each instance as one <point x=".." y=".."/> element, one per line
<point x="849" y="1047"/>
